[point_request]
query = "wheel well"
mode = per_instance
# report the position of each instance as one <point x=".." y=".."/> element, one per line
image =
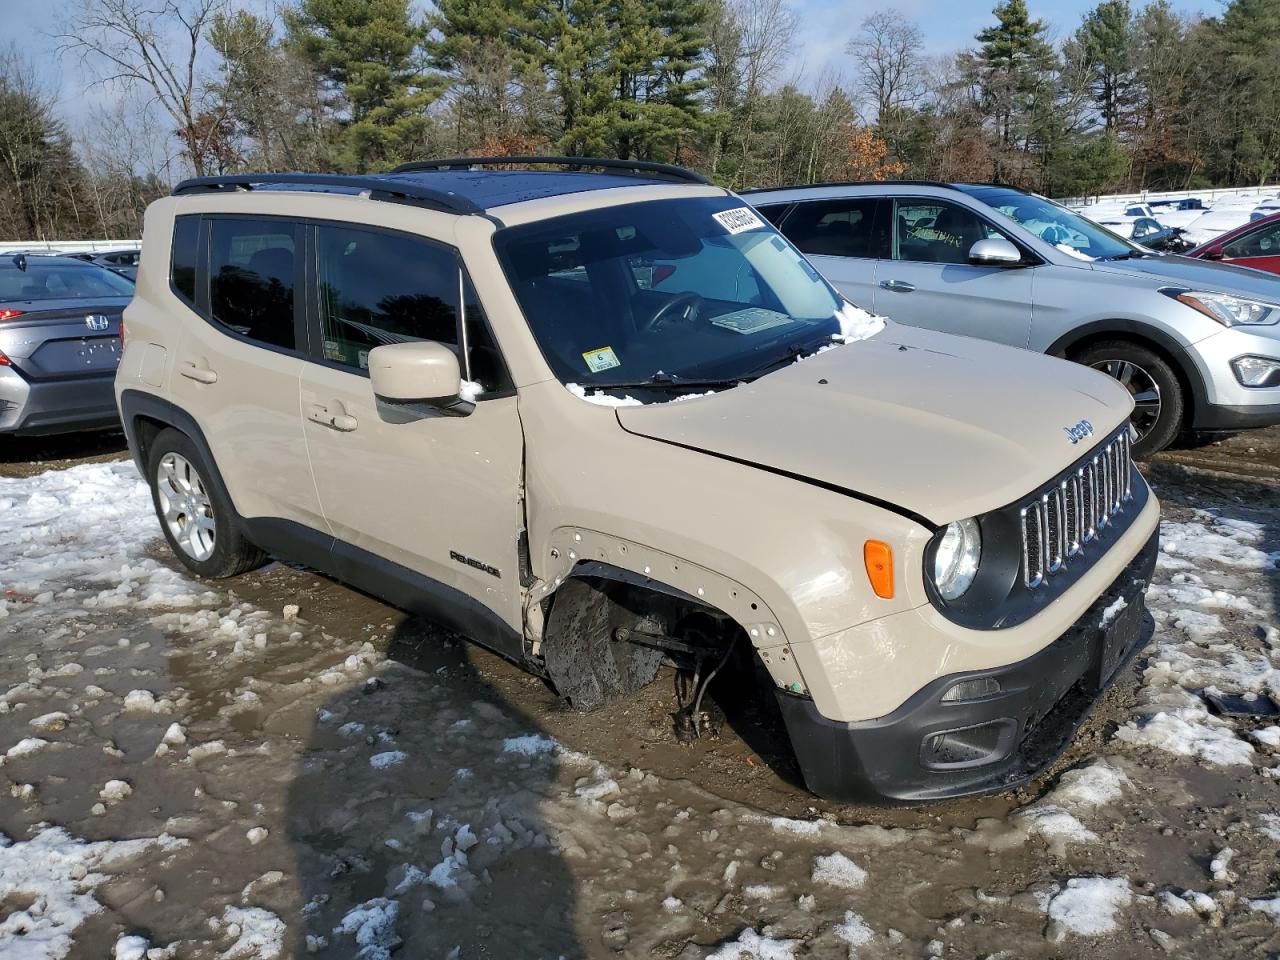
<point x="646" y="601"/>
<point x="145" y="430"/>
<point x="1192" y="394"/>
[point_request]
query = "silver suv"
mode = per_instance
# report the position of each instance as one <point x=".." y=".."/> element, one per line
<point x="1195" y="343"/>
<point x="599" y="421"/>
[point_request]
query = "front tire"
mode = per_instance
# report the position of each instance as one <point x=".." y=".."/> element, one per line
<point x="195" y="513"/>
<point x="586" y="665"/>
<point x="1159" y="400"/>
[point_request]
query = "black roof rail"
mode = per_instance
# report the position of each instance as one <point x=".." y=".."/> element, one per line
<point x="380" y="187"/>
<point x="852" y="183"/>
<point x="668" y="170"/>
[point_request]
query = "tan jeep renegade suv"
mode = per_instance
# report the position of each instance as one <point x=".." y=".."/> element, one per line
<point x="599" y="420"/>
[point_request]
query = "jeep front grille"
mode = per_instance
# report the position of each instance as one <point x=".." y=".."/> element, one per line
<point x="1057" y="525"/>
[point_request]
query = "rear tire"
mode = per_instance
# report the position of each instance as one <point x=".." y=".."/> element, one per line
<point x="586" y="665"/>
<point x="195" y="513"/>
<point x="1160" y="403"/>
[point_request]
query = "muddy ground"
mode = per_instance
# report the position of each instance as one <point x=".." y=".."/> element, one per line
<point x="343" y="781"/>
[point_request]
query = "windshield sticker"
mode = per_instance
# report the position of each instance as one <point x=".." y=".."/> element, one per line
<point x="738" y="219"/>
<point x="602" y="359"/>
<point x="750" y="320"/>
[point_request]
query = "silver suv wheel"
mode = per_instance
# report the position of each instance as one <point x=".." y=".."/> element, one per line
<point x="185" y="505"/>
<point x="1141" y="385"/>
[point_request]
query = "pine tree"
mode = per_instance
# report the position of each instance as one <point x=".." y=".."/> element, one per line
<point x="1014" y="60"/>
<point x="369" y="53"/>
<point x="1106" y="45"/>
<point x="42" y="184"/>
<point x="629" y="75"/>
<point x="1240" y="71"/>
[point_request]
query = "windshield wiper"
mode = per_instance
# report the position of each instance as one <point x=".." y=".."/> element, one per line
<point x="666" y="381"/>
<point x="793" y="353"/>
<point x="1131" y="255"/>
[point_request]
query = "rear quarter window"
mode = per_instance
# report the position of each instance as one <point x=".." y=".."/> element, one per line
<point x="252" y="277"/>
<point x="182" y="259"/>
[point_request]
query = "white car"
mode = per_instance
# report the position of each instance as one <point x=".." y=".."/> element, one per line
<point x="1216" y="222"/>
<point x="1266" y="208"/>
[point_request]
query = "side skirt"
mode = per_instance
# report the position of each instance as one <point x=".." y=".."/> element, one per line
<point x="397" y="585"/>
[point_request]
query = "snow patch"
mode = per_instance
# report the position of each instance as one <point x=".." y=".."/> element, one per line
<point x="373" y="924"/>
<point x="259" y="933"/>
<point x="837" y="870"/>
<point x="57" y="874"/>
<point x="530" y="745"/>
<point x="750" y="945"/>
<point x="1087" y="906"/>
<point x="601" y="399"/>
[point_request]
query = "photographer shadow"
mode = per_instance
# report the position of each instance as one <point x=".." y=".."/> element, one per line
<point x="415" y="816"/>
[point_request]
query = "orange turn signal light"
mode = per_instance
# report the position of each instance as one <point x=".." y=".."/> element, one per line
<point x="878" y="557"/>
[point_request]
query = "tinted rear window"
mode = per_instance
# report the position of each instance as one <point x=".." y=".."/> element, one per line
<point x="182" y="264"/>
<point x="251" y="279"/>
<point x="48" y="279"/>
<point x="838" y="228"/>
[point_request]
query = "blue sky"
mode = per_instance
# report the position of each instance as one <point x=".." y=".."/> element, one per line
<point x="825" y="28"/>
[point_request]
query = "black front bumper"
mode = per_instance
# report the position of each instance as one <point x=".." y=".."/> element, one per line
<point x="933" y="749"/>
<point x="1219" y="417"/>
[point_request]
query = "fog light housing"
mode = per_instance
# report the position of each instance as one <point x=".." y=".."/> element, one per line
<point x="974" y="689"/>
<point x="1256" y="371"/>
<point x="970" y="746"/>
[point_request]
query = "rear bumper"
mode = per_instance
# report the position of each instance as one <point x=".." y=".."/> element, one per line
<point x="33" y="407"/>
<point x="932" y="749"/>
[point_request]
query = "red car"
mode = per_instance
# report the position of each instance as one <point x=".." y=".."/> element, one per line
<point x="1256" y="244"/>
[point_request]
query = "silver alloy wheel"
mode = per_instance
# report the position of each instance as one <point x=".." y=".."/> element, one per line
<point x="1141" y="386"/>
<point x="185" y="505"/>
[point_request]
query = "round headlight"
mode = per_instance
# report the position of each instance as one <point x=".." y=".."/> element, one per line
<point x="956" y="562"/>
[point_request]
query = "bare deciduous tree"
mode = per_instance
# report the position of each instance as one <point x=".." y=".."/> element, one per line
<point x="890" y="65"/>
<point x="155" y="44"/>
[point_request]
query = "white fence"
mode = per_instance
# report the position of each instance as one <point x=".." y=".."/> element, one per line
<point x="1146" y="196"/>
<point x="68" y="246"/>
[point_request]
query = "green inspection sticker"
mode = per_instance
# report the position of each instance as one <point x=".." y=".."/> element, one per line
<point x="602" y="359"/>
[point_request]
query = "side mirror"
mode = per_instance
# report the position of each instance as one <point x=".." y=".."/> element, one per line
<point x="421" y="378"/>
<point x="994" y="252"/>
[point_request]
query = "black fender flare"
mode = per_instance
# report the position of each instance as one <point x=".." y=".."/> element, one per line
<point x="136" y="405"/>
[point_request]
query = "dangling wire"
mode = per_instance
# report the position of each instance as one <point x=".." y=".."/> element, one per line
<point x="697" y="703"/>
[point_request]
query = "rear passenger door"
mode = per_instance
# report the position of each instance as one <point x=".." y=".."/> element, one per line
<point x="439" y="495"/>
<point x="929" y="281"/>
<point x="237" y="371"/>
<point x="844" y="238"/>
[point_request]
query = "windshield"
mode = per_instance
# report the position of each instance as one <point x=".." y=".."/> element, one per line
<point x="47" y="279"/>
<point x="1055" y="224"/>
<point x="698" y="289"/>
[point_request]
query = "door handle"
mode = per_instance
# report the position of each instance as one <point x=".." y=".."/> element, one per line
<point x="198" y="374"/>
<point x="898" y="286"/>
<point x="327" y="418"/>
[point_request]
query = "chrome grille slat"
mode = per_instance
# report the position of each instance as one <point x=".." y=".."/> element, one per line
<point x="1060" y="522"/>
<point x="1032" y="545"/>
<point x="1072" y="514"/>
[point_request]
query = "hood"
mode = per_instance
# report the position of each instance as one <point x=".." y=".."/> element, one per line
<point x="937" y="426"/>
<point x="1195" y="274"/>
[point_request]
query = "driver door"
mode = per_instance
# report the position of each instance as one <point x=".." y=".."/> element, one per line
<point x="929" y="282"/>
<point x="439" y="495"/>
